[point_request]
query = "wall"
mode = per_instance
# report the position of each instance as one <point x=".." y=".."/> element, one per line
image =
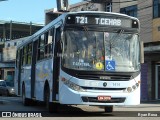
<point x="126" y="4"/>
<point x="145" y="16"/>
<point x="86" y="6"/>
<point x="156" y="33"/>
<point x="117" y="4"/>
<point x="9" y="54"/>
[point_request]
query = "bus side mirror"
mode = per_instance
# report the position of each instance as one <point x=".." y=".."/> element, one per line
<point x="142" y="52"/>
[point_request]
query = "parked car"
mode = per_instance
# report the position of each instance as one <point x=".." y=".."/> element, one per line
<point x="10" y="87"/>
<point x="3" y="88"/>
<point x="6" y="88"/>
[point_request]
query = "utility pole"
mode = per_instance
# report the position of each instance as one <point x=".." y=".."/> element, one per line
<point x="10" y="33"/>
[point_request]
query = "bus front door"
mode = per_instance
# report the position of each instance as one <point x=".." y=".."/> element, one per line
<point x="56" y="64"/>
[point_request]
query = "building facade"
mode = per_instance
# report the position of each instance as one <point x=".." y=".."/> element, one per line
<point x="12" y="34"/>
<point x="7" y="63"/>
<point x="148" y="12"/>
<point x="10" y="30"/>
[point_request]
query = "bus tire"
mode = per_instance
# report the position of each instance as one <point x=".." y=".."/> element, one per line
<point x="25" y="100"/>
<point x="108" y="109"/>
<point x="52" y="107"/>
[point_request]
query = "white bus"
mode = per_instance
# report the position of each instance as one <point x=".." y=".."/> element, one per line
<point x="81" y="58"/>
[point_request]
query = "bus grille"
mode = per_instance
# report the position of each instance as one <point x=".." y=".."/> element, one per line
<point x="97" y="88"/>
<point x="107" y="77"/>
<point x="94" y="99"/>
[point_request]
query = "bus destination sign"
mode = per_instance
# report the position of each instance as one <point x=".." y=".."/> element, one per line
<point x="99" y="20"/>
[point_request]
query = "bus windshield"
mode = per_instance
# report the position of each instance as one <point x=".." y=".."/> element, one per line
<point x="101" y="51"/>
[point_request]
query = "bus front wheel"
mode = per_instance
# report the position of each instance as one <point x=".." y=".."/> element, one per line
<point x="108" y="109"/>
<point x="52" y="107"/>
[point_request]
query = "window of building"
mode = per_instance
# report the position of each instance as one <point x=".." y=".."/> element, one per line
<point x="131" y="10"/>
<point x="156" y="8"/>
<point x="109" y="7"/>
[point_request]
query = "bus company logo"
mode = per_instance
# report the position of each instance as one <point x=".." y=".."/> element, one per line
<point x="6" y="114"/>
<point x="104" y="84"/>
<point x="20" y="115"/>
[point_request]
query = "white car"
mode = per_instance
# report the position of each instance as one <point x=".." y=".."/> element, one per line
<point x="6" y="88"/>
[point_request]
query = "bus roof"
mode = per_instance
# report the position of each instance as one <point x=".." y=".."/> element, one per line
<point x="62" y="18"/>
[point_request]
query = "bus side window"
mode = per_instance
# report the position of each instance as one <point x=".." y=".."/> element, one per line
<point x="24" y="55"/>
<point x="29" y="53"/>
<point x="22" y="58"/>
<point x="41" y="47"/>
<point x="17" y="58"/>
<point x="50" y="42"/>
<point x="57" y="41"/>
<point x="46" y="45"/>
<point x="38" y="49"/>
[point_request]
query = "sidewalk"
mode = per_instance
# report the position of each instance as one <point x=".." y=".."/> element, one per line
<point x="150" y="102"/>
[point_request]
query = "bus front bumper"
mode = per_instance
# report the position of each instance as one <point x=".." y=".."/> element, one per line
<point x="69" y="96"/>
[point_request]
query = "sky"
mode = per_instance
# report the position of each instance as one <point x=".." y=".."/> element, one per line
<point x="27" y="10"/>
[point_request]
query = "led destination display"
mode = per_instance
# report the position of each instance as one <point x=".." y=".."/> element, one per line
<point x="101" y="20"/>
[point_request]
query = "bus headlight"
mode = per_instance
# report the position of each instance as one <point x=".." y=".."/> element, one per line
<point x="129" y="89"/>
<point x="132" y="88"/>
<point x="72" y="85"/>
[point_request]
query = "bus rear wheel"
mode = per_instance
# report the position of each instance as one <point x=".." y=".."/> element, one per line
<point x="25" y="101"/>
<point x="108" y="109"/>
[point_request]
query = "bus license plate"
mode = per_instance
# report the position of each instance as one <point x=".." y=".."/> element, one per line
<point x="104" y="98"/>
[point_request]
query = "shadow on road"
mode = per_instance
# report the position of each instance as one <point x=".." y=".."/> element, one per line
<point x="71" y="111"/>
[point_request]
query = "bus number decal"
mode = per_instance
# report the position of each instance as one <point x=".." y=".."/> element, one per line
<point x="81" y="20"/>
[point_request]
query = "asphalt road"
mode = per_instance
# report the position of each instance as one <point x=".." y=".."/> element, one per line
<point x="14" y="105"/>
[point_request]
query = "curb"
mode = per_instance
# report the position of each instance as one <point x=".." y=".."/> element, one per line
<point x="151" y="102"/>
